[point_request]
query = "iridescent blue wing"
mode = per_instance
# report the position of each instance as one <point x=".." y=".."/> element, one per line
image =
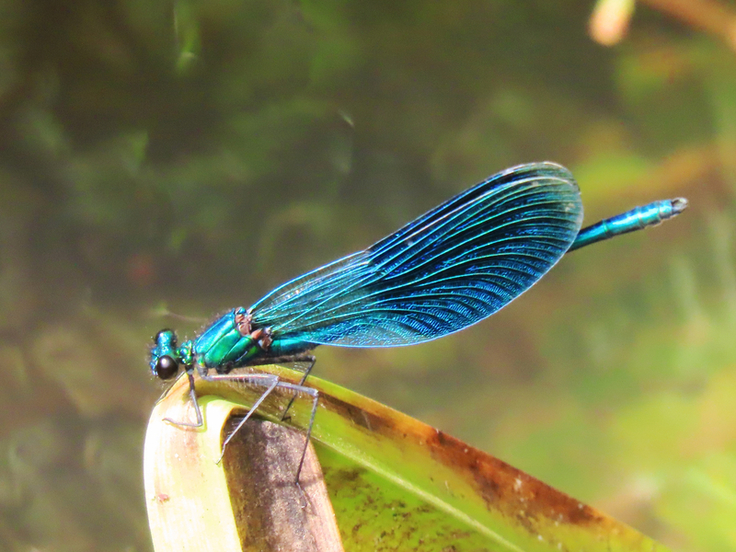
<point x="450" y="268"/>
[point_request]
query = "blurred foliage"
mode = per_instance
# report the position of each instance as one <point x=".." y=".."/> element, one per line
<point x="190" y="155"/>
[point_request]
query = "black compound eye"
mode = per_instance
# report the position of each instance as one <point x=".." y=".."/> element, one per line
<point x="166" y="367"/>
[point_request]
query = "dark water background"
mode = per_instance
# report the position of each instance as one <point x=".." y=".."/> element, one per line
<point x="187" y="156"/>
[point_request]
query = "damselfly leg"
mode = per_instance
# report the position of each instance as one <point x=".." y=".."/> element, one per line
<point x="269" y="382"/>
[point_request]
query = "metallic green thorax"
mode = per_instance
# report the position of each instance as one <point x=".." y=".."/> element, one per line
<point x="222" y="347"/>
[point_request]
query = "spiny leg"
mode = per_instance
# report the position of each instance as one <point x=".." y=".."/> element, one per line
<point x="271" y="382"/>
<point x="298" y="388"/>
<point x="267" y="380"/>
<point x="197" y="410"/>
<point x="311" y="359"/>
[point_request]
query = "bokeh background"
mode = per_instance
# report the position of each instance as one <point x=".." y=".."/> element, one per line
<point x="186" y="156"/>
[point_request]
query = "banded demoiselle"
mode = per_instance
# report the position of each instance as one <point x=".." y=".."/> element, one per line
<point x="450" y="268"/>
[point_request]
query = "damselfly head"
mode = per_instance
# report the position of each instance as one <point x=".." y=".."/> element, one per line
<point x="165" y="357"/>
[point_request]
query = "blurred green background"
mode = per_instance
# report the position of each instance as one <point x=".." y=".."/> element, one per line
<point x="187" y="156"/>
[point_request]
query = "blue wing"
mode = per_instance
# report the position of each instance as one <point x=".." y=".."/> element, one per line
<point x="450" y="268"/>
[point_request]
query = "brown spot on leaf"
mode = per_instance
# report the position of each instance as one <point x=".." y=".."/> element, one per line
<point x="507" y="489"/>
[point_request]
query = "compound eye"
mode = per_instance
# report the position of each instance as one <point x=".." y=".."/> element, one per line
<point x="166" y="367"/>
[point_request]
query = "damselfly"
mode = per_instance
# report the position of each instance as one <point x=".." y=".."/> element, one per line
<point x="450" y="268"/>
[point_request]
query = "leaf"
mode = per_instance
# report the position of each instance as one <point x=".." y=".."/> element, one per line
<point x="396" y="483"/>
